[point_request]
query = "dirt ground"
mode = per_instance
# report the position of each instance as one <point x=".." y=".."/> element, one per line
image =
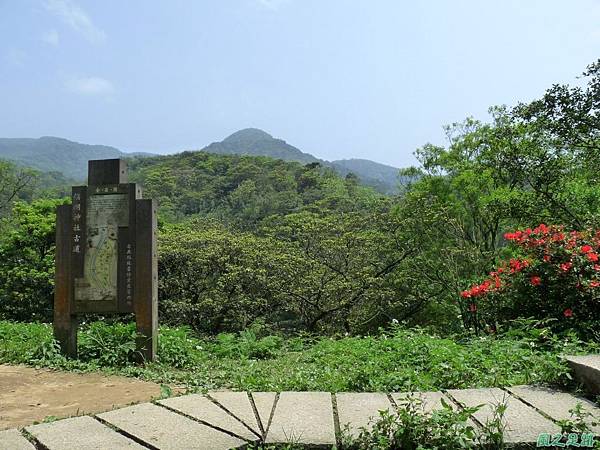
<point x="28" y="395"/>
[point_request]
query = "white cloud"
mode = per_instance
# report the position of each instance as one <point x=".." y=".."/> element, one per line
<point x="92" y="86"/>
<point x="77" y="19"/>
<point x="51" y="38"/>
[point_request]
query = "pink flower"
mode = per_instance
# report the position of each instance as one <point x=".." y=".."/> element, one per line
<point x="535" y="280"/>
<point x="565" y="267"/>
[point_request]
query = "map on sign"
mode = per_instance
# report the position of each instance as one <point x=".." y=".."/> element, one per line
<point x="105" y="214"/>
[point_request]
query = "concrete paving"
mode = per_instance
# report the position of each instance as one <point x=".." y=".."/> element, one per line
<point x="587" y="370"/>
<point x="264" y="402"/>
<point x="224" y="420"/>
<point x="303" y="417"/>
<point x="164" y="429"/>
<point x="205" y="410"/>
<point x="239" y="406"/>
<point x="557" y="405"/>
<point x="80" y="433"/>
<point x="13" y="440"/>
<point x="359" y="410"/>
<point x="522" y="423"/>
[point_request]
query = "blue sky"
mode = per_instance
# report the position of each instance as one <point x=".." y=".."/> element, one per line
<point x="337" y="78"/>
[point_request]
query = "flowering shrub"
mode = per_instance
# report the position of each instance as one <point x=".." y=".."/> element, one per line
<point x="557" y="275"/>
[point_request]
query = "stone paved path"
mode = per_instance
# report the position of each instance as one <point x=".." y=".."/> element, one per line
<point x="224" y="420"/>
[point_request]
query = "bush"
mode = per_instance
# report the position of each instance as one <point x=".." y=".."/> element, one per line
<point x="402" y="360"/>
<point x="107" y="345"/>
<point x="177" y="348"/>
<point x="214" y="280"/>
<point x="411" y="427"/>
<point x="555" y="274"/>
<point x="247" y="346"/>
<point x="27" y="262"/>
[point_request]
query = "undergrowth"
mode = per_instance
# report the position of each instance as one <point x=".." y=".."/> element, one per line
<point x="397" y="360"/>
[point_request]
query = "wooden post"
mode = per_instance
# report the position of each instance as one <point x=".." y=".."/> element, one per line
<point x="65" y="321"/>
<point x="146" y="279"/>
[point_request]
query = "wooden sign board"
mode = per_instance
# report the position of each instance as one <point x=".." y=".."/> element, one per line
<point x="106" y="259"/>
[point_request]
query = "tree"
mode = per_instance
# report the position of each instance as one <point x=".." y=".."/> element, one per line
<point x="27" y="262"/>
<point x="346" y="264"/>
<point x="214" y="280"/>
<point x="13" y="182"/>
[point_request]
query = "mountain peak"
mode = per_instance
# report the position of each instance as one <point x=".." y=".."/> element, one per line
<point x="252" y="141"/>
<point x="248" y="135"/>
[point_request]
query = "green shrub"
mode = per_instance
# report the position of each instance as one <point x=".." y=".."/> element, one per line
<point x="555" y="276"/>
<point x="246" y="345"/>
<point x="177" y="348"/>
<point x="410" y="427"/>
<point x="214" y="280"/>
<point x="27" y="262"/>
<point x="107" y="345"/>
<point x="400" y="360"/>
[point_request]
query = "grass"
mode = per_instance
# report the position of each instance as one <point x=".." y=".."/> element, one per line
<point x="398" y="360"/>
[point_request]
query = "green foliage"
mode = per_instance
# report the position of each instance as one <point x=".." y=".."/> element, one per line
<point x="107" y="345"/>
<point x="402" y="360"/>
<point x="214" y="280"/>
<point x="177" y="348"/>
<point x="410" y="426"/>
<point x="241" y="190"/>
<point x="305" y="270"/>
<point x="27" y="261"/>
<point x="15" y="184"/>
<point x="246" y="346"/>
<point x="554" y="277"/>
<point x="348" y="264"/>
<point x="525" y="167"/>
<point x="581" y="421"/>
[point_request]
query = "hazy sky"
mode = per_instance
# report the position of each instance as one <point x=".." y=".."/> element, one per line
<point x="337" y="78"/>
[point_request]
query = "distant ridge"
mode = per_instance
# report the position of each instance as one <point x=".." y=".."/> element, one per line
<point x="54" y="154"/>
<point x="253" y="141"/>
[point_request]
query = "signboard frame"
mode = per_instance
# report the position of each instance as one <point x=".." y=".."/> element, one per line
<point x="136" y="285"/>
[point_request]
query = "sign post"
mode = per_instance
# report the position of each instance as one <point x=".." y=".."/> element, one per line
<point x="106" y="258"/>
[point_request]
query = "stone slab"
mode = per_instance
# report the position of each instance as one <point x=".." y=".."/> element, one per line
<point x="238" y="404"/>
<point x="80" y="433"/>
<point x="264" y="402"/>
<point x="303" y="418"/>
<point x="557" y="404"/>
<point x="167" y="430"/>
<point x="587" y="371"/>
<point x="201" y="408"/>
<point x="13" y="440"/>
<point x="523" y="424"/>
<point x="360" y="410"/>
